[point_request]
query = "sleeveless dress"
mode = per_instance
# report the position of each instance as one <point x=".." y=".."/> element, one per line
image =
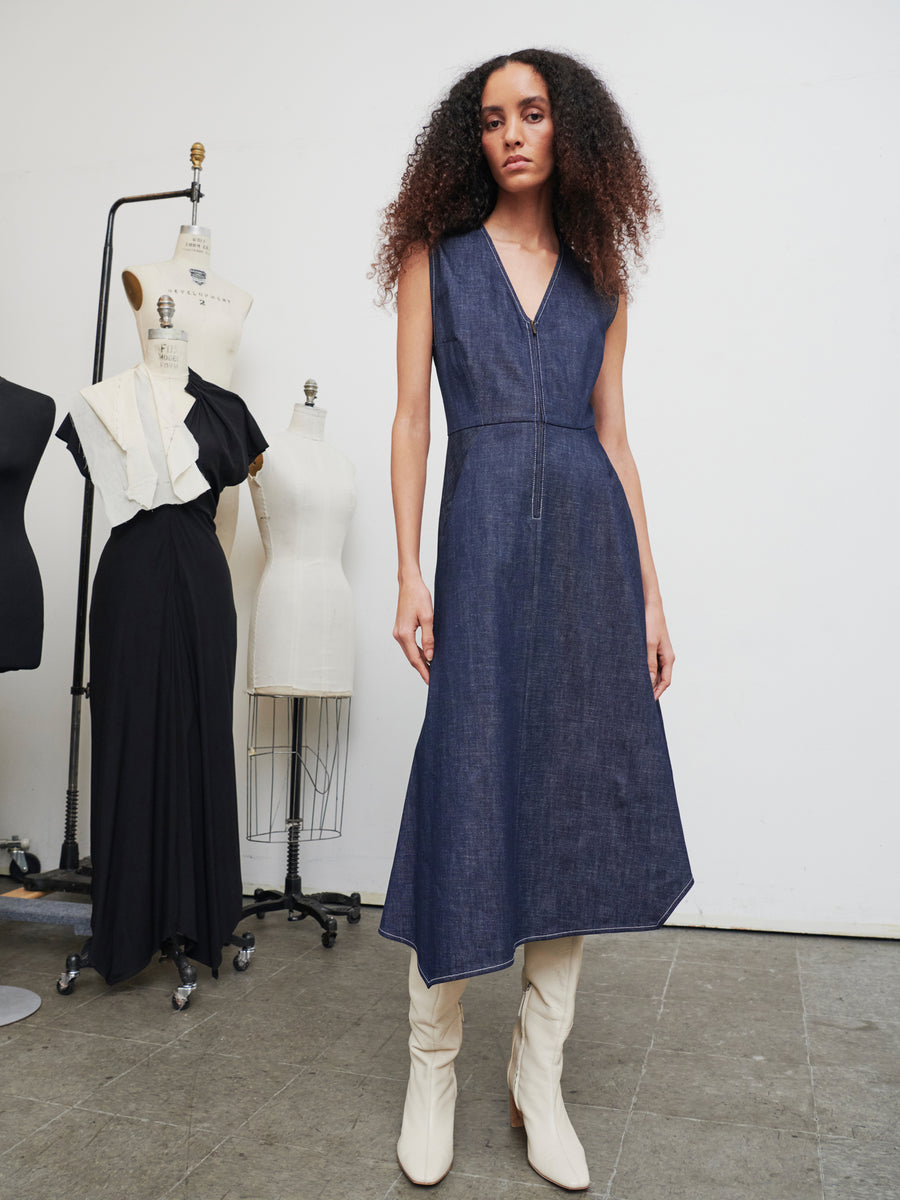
<point x="165" y="843"/>
<point x="541" y="801"/>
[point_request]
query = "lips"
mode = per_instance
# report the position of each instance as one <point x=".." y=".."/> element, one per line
<point x="515" y="160"/>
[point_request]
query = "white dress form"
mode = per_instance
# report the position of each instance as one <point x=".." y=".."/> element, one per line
<point x="211" y="310"/>
<point x="301" y="628"/>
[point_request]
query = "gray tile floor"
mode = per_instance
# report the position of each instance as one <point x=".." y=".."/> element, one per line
<point x="704" y="1065"/>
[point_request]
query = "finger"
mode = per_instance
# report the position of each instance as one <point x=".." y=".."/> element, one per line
<point x="652" y="664"/>
<point x="410" y="647"/>
<point x="665" y="671"/>
<point x="416" y="660"/>
<point x="664" y="679"/>
<point x="428" y="639"/>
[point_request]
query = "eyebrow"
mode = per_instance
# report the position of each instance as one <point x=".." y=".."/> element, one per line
<point x="522" y="104"/>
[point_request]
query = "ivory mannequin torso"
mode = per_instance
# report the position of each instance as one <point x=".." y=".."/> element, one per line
<point x="207" y="307"/>
<point x="211" y="310"/>
<point x="301" y="630"/>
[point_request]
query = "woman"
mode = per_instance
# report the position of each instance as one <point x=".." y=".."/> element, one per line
<point x="540" y="805"/>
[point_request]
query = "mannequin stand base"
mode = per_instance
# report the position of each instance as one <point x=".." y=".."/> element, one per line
<point x="172" y="948"/>
<point x="323" y="906"/>
<point x="77" y="879"/>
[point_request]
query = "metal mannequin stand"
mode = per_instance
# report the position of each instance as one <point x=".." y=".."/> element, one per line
<point x="74" y="873"/>
<point x="296" y="774"/>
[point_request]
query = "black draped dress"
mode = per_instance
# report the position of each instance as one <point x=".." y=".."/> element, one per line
<point x="164" y="824"/>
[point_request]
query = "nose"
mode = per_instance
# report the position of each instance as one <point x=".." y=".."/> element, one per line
<point x="513" y="134"/>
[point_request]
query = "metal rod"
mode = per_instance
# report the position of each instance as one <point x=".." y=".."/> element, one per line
<point x="295" y="785"/>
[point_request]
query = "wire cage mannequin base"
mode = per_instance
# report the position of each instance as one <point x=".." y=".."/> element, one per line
<point x="296" y="778"/>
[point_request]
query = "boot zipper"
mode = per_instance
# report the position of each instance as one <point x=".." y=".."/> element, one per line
<point x="522" y="1011"/>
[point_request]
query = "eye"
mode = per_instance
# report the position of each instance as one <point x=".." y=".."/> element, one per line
<point x="534" y="116"/>
<point x="492" y="123"/>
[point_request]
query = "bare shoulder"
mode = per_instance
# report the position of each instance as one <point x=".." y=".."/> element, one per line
<point x="619" y="325"/>
<point x="413" y="283"/>
<point x="414" y="326"/>
<point x="414" y="298"/>
<point x="616" y="336"/>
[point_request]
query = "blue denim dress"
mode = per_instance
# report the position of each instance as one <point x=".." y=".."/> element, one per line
<point x="541" y="800"/>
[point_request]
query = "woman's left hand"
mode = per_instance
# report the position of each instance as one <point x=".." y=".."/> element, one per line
<point x="660" y="655"/>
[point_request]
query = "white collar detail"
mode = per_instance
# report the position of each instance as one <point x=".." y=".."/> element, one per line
<point x="114" y="403"/>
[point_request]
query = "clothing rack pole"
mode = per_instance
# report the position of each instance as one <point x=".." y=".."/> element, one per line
<point x="73" y="875"/>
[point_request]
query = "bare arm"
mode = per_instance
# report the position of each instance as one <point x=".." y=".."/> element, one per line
<point x="608" y="402"/>
<point x="410" y="439"/>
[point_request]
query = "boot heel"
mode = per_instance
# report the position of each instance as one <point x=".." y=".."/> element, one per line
<point x="516" y="1120"/>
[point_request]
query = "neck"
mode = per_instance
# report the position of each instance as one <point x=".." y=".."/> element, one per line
<point x="525" y="217"/>
<point x="166" y="360"/>
<point x="193" y="246"/>
<point x="308" y="421"/>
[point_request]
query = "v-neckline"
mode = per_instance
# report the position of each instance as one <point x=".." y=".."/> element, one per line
<point x="509" y="283"/>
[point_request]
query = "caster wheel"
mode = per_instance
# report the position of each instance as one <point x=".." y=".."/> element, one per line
<point x="239" y="963"/>
<point x="32" y="867"/>
<point x="180" y="1005"/>
<point x="355" y="898"/>
<point x="65" y="989"/>
<point x="259" y="916"/>
<point x="329" y="937"/>
<point x="354" y="916"/>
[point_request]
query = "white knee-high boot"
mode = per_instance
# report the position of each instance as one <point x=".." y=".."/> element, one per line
<point x="549" y="980"/>
<point x="425" y="1148"/>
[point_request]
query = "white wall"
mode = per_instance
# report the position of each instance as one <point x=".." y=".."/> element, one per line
<point x="760" y="375"/>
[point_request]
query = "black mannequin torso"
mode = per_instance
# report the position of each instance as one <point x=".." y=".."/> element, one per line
<point x="26" y="422"/>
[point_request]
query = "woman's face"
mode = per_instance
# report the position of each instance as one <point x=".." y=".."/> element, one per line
<point x="517" y="128"/>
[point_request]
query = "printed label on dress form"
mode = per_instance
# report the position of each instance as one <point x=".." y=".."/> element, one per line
<point x="201" y="297"/>
<point x="169" y="356"/>
<point x="196" y="243"/>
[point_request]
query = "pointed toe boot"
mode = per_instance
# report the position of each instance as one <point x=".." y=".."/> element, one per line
<point x="425" y="1148"/>
<point x="549" y="981"/>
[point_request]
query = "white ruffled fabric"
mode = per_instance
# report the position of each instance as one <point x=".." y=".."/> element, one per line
<point x="108" y="423"/>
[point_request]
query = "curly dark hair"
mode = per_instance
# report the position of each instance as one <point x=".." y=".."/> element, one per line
<point x="603" y="200"/>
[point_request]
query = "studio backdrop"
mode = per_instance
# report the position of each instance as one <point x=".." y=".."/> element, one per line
<point x="760" y="379"/>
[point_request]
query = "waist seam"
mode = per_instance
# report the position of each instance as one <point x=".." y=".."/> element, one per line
<point x="517" y="421"/>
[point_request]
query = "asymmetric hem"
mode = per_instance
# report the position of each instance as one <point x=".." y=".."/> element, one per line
<point x="540" y="937"/>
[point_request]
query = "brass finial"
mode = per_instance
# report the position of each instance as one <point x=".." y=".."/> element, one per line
<point x="311" y="388"/>
<point x="198" y="153"/>
<point x="165" y="306"/>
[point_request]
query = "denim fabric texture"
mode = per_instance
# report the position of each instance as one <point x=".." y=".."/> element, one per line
<point x="541" y="801"/>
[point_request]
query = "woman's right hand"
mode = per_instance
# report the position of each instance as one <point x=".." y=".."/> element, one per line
<point x="414" y="612"/>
